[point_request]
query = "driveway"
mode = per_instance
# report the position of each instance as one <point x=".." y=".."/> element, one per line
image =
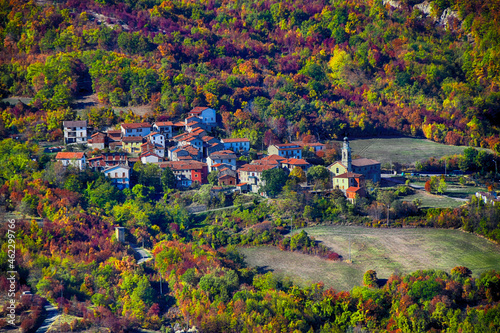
<point x="51" y="314"/>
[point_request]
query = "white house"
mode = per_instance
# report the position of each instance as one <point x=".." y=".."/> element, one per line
<point x="192" y="140"/>
<point x="207" y="115"/>
<point x="119" y="175"/>
<point x="224" y="157"/>
<point x="150" y="157"/>
<point x="75" y="131"/>
<point x="165" y="128"/>
<point x="135" y="129"/>
<point x="236" y="144"/>
<point x="71" y="158"/>
<point x="251" y="174"/>
<point x="156" y="138"/>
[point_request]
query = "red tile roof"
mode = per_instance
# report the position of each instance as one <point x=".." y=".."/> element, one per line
<point x="149" y="153"/>
<point x="256" y="167"/>
<point x="265" y="162"/>
<point x="360" y="162"/>
<point x="183" y="165"/>
<point x="226" y="176"/>
<point x="353" y="189"/>
<point x="132" y="139"/>
<point x="69" y="155"/>
<point x="349" y="175"/>
<point x="273" y="158"/>
<point x="223" y="154"/>
<point x="198" y="109"/>
<point x="164" y="123"/>
<point x="136" y="125"/>
<point x="235" y="140"/>
<point x="295" y="161"/>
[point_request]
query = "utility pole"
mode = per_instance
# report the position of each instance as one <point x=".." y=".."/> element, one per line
<point x="350" y="260"/>
<point x="60" y="310"/>
<point x="496" y="171"/>
<point x="161" y="290"/>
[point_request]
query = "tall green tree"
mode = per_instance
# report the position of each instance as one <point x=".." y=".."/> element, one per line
<point x="167" y="179"/>
<point x="319" y="175"/>
<point x="387" y="199"/>
<point x="274" y="180"/>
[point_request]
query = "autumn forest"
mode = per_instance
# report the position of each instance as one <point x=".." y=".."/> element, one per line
<point x="276" y="72"/>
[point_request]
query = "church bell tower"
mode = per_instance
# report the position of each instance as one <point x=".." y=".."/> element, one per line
<point x="346" y="155"/>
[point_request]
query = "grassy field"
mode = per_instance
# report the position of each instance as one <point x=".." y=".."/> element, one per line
<point x="402" y="150"/>
<point x="455" y="195"/>
<point x="433" y="201"/>
<point x="385" y="251"/>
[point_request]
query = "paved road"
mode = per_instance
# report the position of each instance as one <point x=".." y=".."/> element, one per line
<point x="142" y="253"/>
<point x="51" y="316"/>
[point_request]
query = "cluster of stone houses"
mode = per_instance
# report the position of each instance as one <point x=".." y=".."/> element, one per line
<point x="187" y="149"/>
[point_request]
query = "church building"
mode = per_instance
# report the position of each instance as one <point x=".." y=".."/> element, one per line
<point x="370" y="169"/>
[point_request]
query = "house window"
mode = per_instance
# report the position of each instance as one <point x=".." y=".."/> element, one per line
<point x="337" y="170"/>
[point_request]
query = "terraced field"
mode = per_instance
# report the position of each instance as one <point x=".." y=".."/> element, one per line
<point x="386" y="251"/>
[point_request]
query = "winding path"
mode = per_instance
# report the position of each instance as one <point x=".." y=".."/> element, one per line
<point x="51" y="314"/>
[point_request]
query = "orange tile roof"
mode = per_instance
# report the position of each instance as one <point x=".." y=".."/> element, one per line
<point x="164" y="123"/>
<point x="182" y="165"/>
<point x="132" y="139"/>
<point x="273" y="158"/>
<point x="349" y="175"/>
<point x="198" y="109"/>
<point x="265" y="162"/>
<point x="69" y="155"/>
<point x="136" y="125"/>
<point x="295" y="161"/>
<point x="256" y="167"/>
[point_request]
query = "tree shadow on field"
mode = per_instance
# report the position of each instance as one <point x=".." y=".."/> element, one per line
<point x="381" y="282"/>
<point x="264" y="269"/>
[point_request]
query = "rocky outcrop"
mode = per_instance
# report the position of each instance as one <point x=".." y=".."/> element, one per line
<point x="424" y="7"/>
<point x="392" y="3"/>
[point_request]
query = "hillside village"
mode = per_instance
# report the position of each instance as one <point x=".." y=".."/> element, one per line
<point x="188" y="149"/>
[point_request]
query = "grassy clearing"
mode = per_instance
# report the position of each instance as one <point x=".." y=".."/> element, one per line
<point x="64" y="318"/>
<point x="385" y="251"/>
<point x="433" y="201"/>
<point x="402" y="150"/>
